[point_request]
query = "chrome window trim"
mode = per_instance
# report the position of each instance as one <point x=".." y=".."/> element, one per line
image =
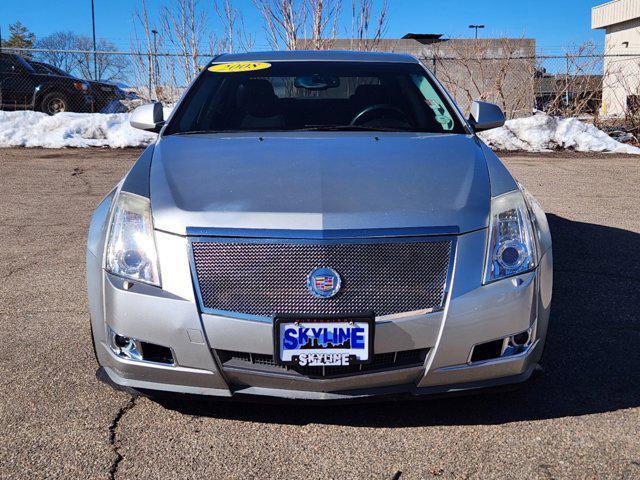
<point x="316" y="237"/>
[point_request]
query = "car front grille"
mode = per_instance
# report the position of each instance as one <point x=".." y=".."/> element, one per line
<point x="265" y="279"/>
<point x="266" y="364"/>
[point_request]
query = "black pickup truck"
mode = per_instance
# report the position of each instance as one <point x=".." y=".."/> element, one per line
<point x="22" y="88"/>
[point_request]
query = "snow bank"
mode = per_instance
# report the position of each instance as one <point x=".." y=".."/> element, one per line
<point x="541" y="132"/>
<point x="538" y="133"/>
<point x="35" y="129"/>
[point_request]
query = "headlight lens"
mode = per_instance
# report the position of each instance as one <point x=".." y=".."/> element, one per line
<point x="131" y="249"/>
<point x="511" y="248"/>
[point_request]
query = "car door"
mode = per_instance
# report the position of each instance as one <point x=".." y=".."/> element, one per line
<point x="6" y="70"/>
<point x="16" y="84"/>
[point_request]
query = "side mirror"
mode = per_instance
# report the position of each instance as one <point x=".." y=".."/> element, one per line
<point x="148" y="117"/>
<point x="485" y="116"/>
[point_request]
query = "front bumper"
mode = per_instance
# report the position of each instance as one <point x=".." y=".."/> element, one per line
<point x="473" y="314"/>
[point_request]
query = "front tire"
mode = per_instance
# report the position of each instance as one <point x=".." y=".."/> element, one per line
<point x="54" y="102"/>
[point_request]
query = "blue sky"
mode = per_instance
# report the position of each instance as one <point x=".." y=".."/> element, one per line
<point x="553" y="23"/>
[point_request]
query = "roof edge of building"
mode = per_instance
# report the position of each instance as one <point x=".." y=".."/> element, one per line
<point x="613" y="13"/>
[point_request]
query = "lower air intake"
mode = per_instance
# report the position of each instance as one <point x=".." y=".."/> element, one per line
<point x="266" y="364"/>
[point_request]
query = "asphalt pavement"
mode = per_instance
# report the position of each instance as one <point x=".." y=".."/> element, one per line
<point x="580" y="419"/>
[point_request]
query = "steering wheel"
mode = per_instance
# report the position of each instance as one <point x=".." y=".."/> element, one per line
<point x="357" y="120"/>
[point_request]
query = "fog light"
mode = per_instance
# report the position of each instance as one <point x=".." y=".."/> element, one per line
<point x="124" y="347"/>
<point x="121" y="341"/>
<point x="134" y="349"/>
<point x="520" y="340"/>
<point x="504" y="347"/>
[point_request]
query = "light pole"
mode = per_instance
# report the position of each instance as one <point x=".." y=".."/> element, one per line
<point x="95" y="56"/>
<point x="477" y="27"/>
<point x="155" y="53"/>
<point x="155" y="59"/>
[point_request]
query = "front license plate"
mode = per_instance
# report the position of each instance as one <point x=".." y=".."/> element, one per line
<point x="323" y="341"/>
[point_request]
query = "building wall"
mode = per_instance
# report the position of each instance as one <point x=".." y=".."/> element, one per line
<point x="621" y="21"/>
<point x="621" y="74"/>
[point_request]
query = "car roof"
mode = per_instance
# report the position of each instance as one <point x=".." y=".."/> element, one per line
<point x="316" y="56"/>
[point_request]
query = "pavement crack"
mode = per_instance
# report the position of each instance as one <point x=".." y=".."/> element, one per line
<point x="13" y="270"/>
<point x="114" y="442"/>
<point x="78" y="172"/>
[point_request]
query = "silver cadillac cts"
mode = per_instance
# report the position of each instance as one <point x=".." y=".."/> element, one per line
<point x="318" y="225"/>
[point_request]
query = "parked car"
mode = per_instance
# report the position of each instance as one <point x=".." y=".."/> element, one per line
<point x="318" y="225"/>
<point x="104" y="94"/>
<point x="23" y="88"/>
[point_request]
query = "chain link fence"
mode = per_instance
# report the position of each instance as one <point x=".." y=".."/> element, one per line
<point x="589" y="86"/>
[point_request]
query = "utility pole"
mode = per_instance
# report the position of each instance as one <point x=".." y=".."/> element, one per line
<point x="95" y="55"/>
<point x="476" y="27"/>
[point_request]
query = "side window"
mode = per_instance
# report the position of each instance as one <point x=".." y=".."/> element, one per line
<point x="6" y="65"/>
<point x="442" y="115"/>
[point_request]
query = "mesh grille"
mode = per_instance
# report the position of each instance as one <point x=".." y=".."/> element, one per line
<point x="267" y="279"/>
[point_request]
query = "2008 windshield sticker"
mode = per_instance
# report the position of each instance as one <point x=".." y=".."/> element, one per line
<point x="237" y="67"/>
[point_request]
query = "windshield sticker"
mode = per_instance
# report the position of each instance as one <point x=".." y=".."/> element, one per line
<point x="237" y="67"/>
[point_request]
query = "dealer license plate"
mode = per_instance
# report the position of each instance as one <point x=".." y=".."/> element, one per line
<point x="323" y="341"/>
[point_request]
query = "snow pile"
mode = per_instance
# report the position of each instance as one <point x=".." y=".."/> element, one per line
<point x="538" y="133"/>
<point x="541" y="132"/>
<point x="35" y="129"/>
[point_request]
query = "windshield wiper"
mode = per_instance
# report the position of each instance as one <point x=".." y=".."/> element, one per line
<point x="196" y="132"/>
<point x="317" y="128"/>
<point x="350" y="128"/>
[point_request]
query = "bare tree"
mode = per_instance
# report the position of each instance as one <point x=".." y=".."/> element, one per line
<point x="228" y="15"/>
<point x="184" y="24"/>
<point x="499" y="70"/>
<point x="367" y="27"/>
<point x="325" y="15"/>
<point x="109" y="64"/>
<point x="142" y="51"/>
<point x="235" y="33"/>
<point x="284" y="21"/>
<point x="577" y="90"/>
<point x="74" y="54"/>
<point x="57" y="46"/>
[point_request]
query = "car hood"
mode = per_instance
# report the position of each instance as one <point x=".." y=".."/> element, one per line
<point x="319" y="181"/>
<point x="103" y="85"/>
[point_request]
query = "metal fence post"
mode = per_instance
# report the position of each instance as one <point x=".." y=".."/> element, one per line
<point x="566" y="82"/>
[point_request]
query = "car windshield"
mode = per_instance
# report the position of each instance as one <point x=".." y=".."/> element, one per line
<point x="24" y="63"/>
<point x="290" y="96"/>
<point x="48" y="69"/>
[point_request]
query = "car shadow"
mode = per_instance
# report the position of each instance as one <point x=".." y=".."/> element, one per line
<point x="591" y="360"/>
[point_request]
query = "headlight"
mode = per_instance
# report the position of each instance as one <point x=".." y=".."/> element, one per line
<point x="511" y="247"/>
<point x="131" y="249"/>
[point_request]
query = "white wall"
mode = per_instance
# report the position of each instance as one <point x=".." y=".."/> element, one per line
<point x="621" y="74"/>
